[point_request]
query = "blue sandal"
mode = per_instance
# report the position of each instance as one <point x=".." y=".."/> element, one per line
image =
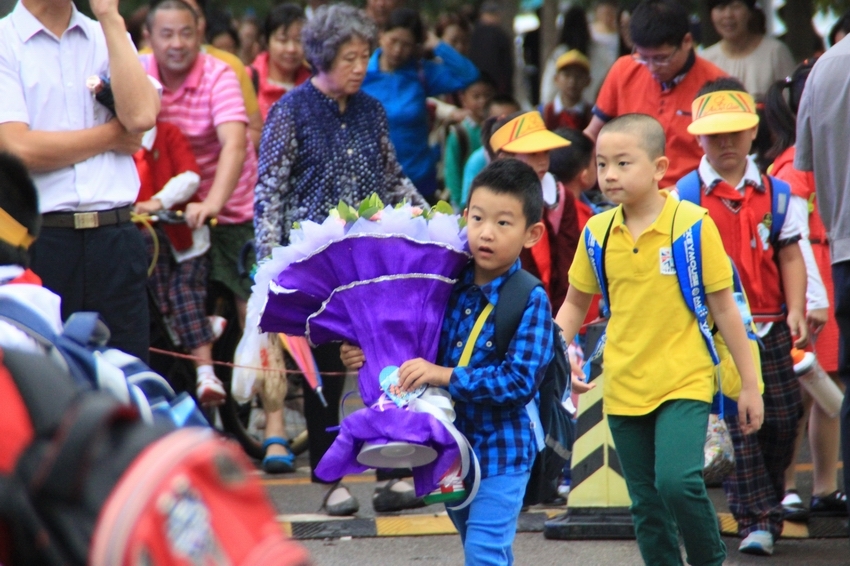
<point x="278" y="463"/>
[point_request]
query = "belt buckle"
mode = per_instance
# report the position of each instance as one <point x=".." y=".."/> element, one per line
<point x="86" y="220"/>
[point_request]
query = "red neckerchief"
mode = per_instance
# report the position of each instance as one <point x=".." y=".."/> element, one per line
<point x="27" y="277"/>
<point x="751" y="244"/>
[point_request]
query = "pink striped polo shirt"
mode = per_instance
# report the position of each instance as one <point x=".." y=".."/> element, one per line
<point x="210" y="96"/>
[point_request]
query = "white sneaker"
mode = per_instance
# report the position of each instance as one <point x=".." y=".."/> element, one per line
<point x="759" y="543"/>
<point x="209" y="390"/>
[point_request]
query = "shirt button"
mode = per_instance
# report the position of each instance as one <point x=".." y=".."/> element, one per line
<point x="489" y="344"/>
<point x="468" y="311"/>
<point x="459" y="344"/>
<point x="635" y="250"/>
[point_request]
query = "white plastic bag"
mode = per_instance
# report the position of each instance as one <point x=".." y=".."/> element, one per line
<point x="719" y="453"/>
<point x="259" y="350"/>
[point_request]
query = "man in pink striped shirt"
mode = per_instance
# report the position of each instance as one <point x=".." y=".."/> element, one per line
<point x="201" y="96"/>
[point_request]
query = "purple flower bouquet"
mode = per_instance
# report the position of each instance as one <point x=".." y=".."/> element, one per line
<point x="379" y="279"/>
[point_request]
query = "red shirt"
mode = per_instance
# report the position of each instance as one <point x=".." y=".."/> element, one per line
<point x="562" y="248"/>
<point x="169" y="156"/>
<point x="268" y="93"/>
<point x="802" y="185"/>
<point x="765" y="290"/>
<point x="566" y="118"/>
<point x="630" y="87"/>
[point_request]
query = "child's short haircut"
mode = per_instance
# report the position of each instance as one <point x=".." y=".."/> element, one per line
<point x="647" y="129"/>
<point x="504" y="100"/>
<point x="18" y="197"/>
<point x="515" y="178"/>
<point x="659" y="22"/>
<point x="723" y="83"/>
<point x="483" y="78"/>
<point x="566" y="163"/>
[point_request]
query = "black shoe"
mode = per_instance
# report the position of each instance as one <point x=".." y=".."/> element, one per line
<point x="832" y="505"/>
<point x="793" y="509"/>
<point x="385" y="500"/>
<point x="344" y="508"/>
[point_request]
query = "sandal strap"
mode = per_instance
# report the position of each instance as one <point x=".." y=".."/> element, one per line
<point x="278" y="440"/>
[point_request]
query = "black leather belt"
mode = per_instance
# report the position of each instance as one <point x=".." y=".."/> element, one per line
<point x="86" y="220"/>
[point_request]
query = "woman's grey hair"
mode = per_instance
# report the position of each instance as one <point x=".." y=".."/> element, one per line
<point x="331" y="27"/>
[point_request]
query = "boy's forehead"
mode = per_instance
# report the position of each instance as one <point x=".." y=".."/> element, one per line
<point x="619" y="142"/>
<point x="486" y="199"/>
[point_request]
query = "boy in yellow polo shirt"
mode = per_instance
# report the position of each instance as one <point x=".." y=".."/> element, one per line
<point x="658" y="373"/>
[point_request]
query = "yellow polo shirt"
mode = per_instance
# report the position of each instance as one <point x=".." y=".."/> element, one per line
<point x="655" y="352"/>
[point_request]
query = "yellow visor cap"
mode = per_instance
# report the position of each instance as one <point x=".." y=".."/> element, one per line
<point x="572" y="57"/>
<point x="525" y="134"/>
<point x="723" y="112"/>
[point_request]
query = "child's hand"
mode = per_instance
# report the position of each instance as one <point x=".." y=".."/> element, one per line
<point x="799" y="329"/>
<point x="817" y="319"/>
<point x="148" y="206"/>
<point x="352" y="356"/>
<point x="579" y="384"/>
<point x="416" y="373"/>
<point x="750" y="410"/>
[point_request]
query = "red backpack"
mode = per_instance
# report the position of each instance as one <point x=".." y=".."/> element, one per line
<point x="84" y="481"/>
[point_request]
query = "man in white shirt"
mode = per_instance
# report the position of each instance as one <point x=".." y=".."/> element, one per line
<point x="80" y="155"/>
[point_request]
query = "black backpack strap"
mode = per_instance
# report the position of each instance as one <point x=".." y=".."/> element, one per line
<point x="513" y="297"/>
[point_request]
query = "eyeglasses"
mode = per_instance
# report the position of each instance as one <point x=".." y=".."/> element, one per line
<point x="655" y="60"/>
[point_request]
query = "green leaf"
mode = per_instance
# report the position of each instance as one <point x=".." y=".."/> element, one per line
<point x="443" y="207"/>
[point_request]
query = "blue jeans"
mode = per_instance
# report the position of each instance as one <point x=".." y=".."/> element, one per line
<point x="488" y="525"/>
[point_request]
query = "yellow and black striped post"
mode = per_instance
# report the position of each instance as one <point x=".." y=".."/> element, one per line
<point x="598" y="504"/>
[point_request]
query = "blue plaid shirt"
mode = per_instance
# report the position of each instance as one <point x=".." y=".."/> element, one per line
<point x="491" y="393"/>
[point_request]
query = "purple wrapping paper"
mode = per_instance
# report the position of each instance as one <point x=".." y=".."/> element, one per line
<point x="387" y="294"/>
<point x="332" y="296"/>
<point x="379" y="427"/>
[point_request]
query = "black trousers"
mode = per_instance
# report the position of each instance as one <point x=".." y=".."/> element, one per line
<point x="102" y="270"/>
<point x="841" y="280"/>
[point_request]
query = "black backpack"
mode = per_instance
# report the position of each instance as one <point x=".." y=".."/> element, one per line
<point x="82" y="443"/>
<point x="558" y="427"/>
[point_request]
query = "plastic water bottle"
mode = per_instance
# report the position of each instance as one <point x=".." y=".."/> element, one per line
<point x="817" y="382"/>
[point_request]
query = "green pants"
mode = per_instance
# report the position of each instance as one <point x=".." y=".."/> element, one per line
<point x="662" y="459"/>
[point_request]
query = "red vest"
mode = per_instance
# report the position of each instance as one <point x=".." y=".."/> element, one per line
<point x="169" y="156"/>
<point x="764" y="288"/>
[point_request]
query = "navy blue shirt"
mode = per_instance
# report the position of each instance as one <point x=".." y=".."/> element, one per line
<point x="312" y="156"/>
<point x="491" y="393"/>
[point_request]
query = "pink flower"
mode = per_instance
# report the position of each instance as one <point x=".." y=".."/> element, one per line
<point x="377" y="216"/>
<point x="415" y="211"/>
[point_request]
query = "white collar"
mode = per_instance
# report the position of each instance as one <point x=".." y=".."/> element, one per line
<point x="711" y="177"/>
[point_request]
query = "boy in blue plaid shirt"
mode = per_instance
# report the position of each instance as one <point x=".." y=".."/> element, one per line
<point x="491" y="392"/>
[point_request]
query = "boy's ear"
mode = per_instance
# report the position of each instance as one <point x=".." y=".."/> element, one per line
<point x="533" y="234"/>
<point x="661" y="165"/>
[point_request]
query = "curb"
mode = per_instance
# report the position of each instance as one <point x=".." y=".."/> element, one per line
<point x="304" y="527"/>
<point x="307" y="527"/>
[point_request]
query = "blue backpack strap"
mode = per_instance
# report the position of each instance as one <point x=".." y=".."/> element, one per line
<point x="81" y="363"/>
<point x="596" y="255"/>
<point x="781" y="198"/>
<point x="689" y="187"/>
<point x="687" y="261"/>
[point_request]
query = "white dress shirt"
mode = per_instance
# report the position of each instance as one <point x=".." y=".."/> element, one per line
<point x="43" y="84"/>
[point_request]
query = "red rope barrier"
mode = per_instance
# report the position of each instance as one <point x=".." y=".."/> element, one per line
<point x="231" y="365"/>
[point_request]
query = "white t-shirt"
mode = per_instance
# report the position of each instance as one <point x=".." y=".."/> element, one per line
<point x="768" y="63"/>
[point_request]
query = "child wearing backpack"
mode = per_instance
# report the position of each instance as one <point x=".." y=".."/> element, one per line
<point x="760" y="224"/>
<point x="781" y="117"/>
<point x="20" y="224"/>
<point x="464" y="138"/>
<point x="491" y="392"/>
<point x="658" y="373"/>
